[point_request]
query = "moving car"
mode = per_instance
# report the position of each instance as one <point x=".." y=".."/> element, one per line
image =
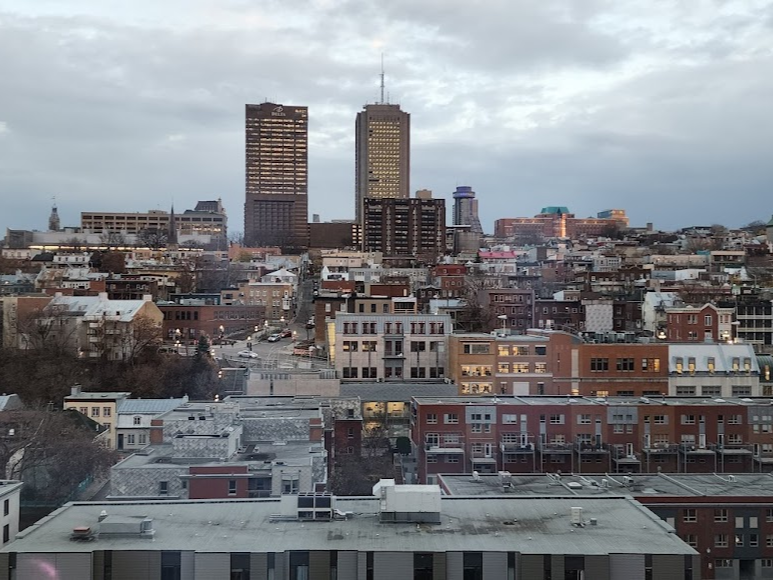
<point x="274" y="338"/>
<point x="247" y="354"/>
<point x="286" y="333"/>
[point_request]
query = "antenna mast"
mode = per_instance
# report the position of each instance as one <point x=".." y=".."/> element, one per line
<point x="382" y="78"/>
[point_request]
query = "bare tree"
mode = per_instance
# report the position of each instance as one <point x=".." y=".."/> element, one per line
<point x="153" y="238"/>
<point x="52" y="452"/>
<point x="112" y="239"/>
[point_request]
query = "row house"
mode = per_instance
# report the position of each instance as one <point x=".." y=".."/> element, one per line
<point x="559" y="314"/>
<point x="754" y="314"/>
<point x="390" y="346"/>
<point x="591" y="435"/>
<point x="510" y="308"/>
<point x="276" y="298"/>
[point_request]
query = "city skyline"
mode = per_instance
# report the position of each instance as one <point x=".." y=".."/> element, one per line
<point x="593" y="107"/>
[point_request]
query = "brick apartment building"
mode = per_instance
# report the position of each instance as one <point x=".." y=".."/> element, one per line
<point x="515" y="304"/>
<point x="707" y="323"/>
<point x="189" y="322"/>
<point x="591" y="435"/>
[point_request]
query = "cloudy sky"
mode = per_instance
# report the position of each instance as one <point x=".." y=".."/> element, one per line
<point x="661" y="107"/>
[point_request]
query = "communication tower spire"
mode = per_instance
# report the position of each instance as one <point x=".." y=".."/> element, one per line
<point x="382" y="79"/>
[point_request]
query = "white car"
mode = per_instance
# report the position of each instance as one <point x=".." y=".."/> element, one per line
<point x="275" y="338"/>
<point x="247" y="354"/>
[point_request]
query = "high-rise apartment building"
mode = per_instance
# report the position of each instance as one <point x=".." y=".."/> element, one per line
<point x="466" y="209"/>
<point x="413" y="228"/>
<point x="382" y="158"/>
<point x="276" y="160"/>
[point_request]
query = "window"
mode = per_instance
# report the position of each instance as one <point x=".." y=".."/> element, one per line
<point x="431" y="458"/>
<point x="583" y="420"/>
<point x="452" y="459"/>
<point x="754" y="540"/>
<point x="711" y="390"/>
<point x="369" y="373"/>
<point x="679" y="364"/>
<point x="711" y="364"/>
<point x="350" y="372"/>
<point x="418" y="346"/>
<point x="350" y="346"/>
<point x="418" y="373"/>
<point x="769" y="541"/>
<point x="720" y="540"/>
<point x="503" y="368"/>
<point x="691" y="540"/>
<point x="688" y="419"/>
<point x="143" y="439"/>
<point x="625" y="364"/>
<point x="720" y="515"/>
<point x="6" y="507"/>
<point x="660" y="419"/>
<point x="540" y="368"/>
<point x="650" y="365"/>
<point x="767" y="562"/>
<point x="231" y="487"/>
<point x="685" y="391"/>
<point x="735" y="420"/>
<point x="599" y="364"/>
<point x="540" y="350"/>
<point x="689" y="515"/>
<point x="520" y="367"/>
<point x="691" y="365"/>
<point x="742" y="391"/>
<point x="6" y="533"/>
<point x="431" y="419"/>
<point x="739" y="541"/>
<point x="556" y="419"/>
<point x="95" y="411"/>
<point x="130" y="439"/>
<point x="723" y="563"/>
<point x="736" y="364"/>
<point x="451" y="418"/>
<point x="476" y="348"/>
<point x="137" y="420"/>
<point x="163" y="488"/>
<point x="476" y="370"/>
<point x="368" y="346"/>
<point x="510" y="419"/>
<point x="106" y="411"/>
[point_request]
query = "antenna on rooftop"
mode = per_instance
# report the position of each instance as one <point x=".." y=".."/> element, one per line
<point x="382" y="79"/>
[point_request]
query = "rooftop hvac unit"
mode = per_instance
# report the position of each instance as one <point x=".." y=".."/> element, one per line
<point x="576" y="516"/>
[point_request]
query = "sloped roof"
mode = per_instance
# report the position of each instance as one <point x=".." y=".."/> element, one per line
<point x="148" y="406"/>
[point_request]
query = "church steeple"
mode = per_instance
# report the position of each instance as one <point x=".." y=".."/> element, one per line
<point x="53" y="219"/>
<point x="171" y="234"/>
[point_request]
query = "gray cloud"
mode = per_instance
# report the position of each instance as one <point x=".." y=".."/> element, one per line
<point x="591" y="105"/>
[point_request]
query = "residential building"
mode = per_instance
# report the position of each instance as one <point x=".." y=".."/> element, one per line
<point x="754" y="314"/>
<point x="382" y="155"/>
<point x="389" y="347"/>
<point x="412" y="532"/>
<point x="727" y="519"/>
<point x="707" y="323"/>
<point x="713" y="370"/>
<point x="10" y="497"/>
<point x="135" y="417"/>
<point x="276" y="168"/>
<point x="511" y="309"/>
<point x="101" y="407"/>
<point x="591" y="434"/>
<point x="276" y="298"/>
<point x="404" y="230"/>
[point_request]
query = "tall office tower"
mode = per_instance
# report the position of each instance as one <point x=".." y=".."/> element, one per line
<point x="412" y="228"/>
<point x="466" y="209"/>
<point x="275" y="210"/>
<point x="382" y="156"/>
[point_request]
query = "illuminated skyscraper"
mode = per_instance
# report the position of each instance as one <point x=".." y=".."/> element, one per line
<point x="276" y="205"/>
<point x="382" y="159"/>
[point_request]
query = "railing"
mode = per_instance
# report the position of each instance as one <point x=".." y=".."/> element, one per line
<point x="519" y="447"/>
<point x="620" y="452"/>
<point x="732" y="448"/>
<point x="694" y="448"/>
<point x="662" y="448"/>
<point x="555" y="447"/>
<point x="591" y="447"/>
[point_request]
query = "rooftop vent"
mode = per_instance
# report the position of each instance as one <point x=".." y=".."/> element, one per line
<point x="407" y="503"/>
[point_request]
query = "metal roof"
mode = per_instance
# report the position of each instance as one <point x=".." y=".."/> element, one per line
<point x="504" y="524"/>
<point x="148" y="406"/>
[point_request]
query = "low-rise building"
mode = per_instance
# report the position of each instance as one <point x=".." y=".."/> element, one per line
<point x="10" y="497"/>
<point x="101" y="407"/>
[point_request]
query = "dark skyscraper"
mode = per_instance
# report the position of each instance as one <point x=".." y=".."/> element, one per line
<point x="275" y="209"/>
<point x="382" y="157"/>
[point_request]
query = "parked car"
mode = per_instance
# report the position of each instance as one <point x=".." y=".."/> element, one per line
<point x="247" y="354"/>
<point x="310" y="323"/>
<point x="275" y="337"/>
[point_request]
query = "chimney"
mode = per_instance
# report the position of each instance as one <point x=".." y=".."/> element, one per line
<point x="75" y="390"/>
<point x="103" y="296"/>
<point x="147" y="298"/>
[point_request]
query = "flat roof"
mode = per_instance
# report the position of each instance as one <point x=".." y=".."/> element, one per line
<point x="642" y="402"/>
<point x="605" y="485"/>
<point x="503" y="524"/>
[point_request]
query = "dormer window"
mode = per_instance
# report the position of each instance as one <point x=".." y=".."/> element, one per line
<point x="691" y="365"/>
<point x="679" y="364"/>
<point x="711" y="365"/>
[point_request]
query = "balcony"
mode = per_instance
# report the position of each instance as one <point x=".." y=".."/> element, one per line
<point x="662" y="449"/>
<point x="444" y="447"/>
<point x="695" y="449"/>
<point x="555" y="448"/>
<point x="524" y="445"/>
<point x="393" y="355"/>
<point x="621" y="456"/>
<point x="591" y="447"/>
<point x="732" y="449"/>
<point x="483" y="456"/>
